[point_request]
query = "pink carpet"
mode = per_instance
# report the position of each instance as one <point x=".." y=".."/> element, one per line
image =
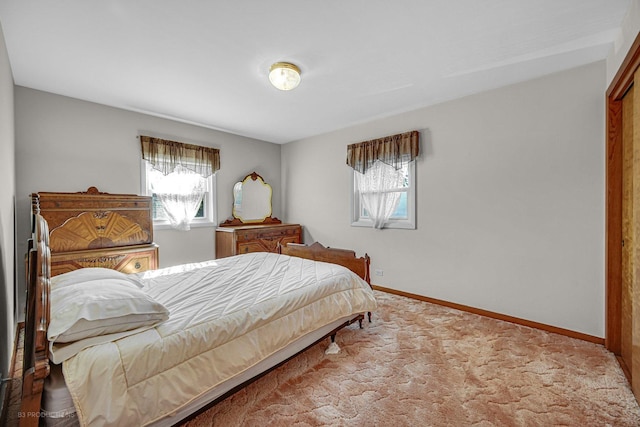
<point x="420" y="364"/>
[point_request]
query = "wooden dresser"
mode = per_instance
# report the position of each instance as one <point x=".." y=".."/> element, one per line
<point x="255" y="238"/>
<point x="94" y="229"/>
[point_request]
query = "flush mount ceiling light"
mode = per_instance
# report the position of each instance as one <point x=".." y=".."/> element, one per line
<point x="284" y="76"/>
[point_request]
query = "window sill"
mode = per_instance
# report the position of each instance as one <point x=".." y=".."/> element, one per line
<point x="403" y="225"/>
<point x="167" y="226"/>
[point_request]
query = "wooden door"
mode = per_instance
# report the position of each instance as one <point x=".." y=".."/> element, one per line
<point x="631" y="288"/>
<point x="630" y="208"/>
<point x="623" y="217"/>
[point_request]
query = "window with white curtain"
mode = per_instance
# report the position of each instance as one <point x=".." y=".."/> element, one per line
<point x="181" y="179"/>
<point x="383" y="181"/>
<point x="157" y="185"/>
<point x="387" y="192"/>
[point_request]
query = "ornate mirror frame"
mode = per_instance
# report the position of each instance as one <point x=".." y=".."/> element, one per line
<point x="251" y="202"/>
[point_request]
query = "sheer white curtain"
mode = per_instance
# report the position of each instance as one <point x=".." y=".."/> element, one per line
<point x="375" y="187"/>
<point x="179" y="176"/>
<point x="180" y="194"/>
<point x="378" y="165"/>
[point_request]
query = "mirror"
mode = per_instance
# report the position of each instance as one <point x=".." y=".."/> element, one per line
<point x="251" y="202"/>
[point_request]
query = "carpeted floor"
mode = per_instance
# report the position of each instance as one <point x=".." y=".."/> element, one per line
<point x="420" y="364"/>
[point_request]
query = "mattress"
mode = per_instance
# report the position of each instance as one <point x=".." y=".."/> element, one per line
<point x="227" y="317"/>
<point x="62" y="412"/>
<point x="57" y="405"/>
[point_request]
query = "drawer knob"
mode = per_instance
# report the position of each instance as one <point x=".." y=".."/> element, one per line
<point x="137" y="265"/>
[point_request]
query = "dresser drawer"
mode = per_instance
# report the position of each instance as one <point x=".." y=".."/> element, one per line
<point x="250" y="235"/>
<point x="245" y="239"/>
<point x="138" y="263"/>
<point x="245" y="248"/>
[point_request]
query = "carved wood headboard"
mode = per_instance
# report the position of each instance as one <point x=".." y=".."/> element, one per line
<point x="95" y="229"/>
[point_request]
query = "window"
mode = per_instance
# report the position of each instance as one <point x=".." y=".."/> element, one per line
<point x="180" y="179"/>
<point x="205" y="209"/>
<point x="399" y="197"/>
<point x="383" y="181"/>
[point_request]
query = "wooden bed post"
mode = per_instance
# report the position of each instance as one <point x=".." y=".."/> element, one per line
<point x="36" y="351"/>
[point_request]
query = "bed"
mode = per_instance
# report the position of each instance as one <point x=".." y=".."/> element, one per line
<point x="187" y="337"/>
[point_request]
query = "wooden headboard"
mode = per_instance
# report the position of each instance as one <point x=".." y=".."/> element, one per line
<point x="72" y="231"/>
<point x="96" y="229"/>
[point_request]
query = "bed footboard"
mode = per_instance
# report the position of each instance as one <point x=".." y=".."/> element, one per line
<point x="344" y="257"/>
<point x="318" y="252"/>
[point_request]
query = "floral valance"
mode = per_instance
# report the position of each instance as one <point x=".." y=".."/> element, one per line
<point x="392" y="150"/>
<point x="165" y="155"/>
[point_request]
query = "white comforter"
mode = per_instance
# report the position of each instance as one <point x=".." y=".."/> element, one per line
<point x="226" y="315"/>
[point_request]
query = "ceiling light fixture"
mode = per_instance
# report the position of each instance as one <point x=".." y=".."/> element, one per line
<point x="284" y="75"/>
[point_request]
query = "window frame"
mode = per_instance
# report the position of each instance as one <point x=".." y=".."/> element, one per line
<point x="396" y="223"/>
<point x="209" y="218"/>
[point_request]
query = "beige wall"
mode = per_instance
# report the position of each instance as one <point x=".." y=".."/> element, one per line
<point x="64" y="144"/>
<point x="510" y="196"/>
<point x="7" y="195"/>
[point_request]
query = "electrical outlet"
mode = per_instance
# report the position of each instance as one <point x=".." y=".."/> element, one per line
<point x="379" y="272"/>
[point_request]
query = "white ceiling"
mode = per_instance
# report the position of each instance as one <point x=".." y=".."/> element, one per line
<point x="206" y="61"/>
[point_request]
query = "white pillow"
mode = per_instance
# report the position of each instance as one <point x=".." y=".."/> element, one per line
<point x="92" y="308"/>
<point x="93" y="273"/>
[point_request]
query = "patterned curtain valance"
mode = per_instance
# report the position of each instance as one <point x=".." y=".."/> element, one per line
<point x="165" y="155"/>
<point x="392" y="150"/>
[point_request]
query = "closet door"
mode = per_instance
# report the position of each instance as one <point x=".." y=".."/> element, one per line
<point x="623" y="217"/>
<point x="630" y="252"/>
